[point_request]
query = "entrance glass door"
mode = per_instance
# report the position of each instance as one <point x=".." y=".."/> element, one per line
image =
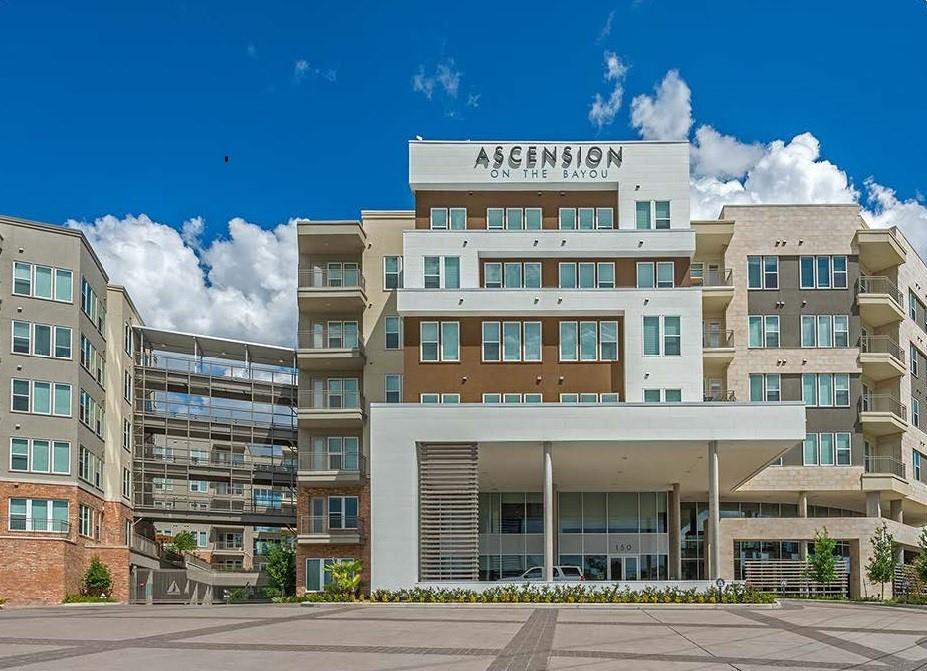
<point x="622" y="567"/>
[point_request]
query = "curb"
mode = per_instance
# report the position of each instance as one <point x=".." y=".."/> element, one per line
<point x="532" y="606"/>
<point x="92" y="604"/>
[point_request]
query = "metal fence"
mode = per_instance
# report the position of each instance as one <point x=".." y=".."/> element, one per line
<point x="906" y="581"/>
<point x="790" y="577"/>
<point x="168" y="586"/>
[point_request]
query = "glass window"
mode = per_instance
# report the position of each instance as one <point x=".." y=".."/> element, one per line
<point x="606" y="272"/>
<point x="392" y="272"/>
<point x="773" y="387"/>
<point x="645" y="276"/>
<point x="393" y="388"/>
<point x="41" y="340"/>
<point x="567" y="218"/>
<point x="492" y="341"/>
<point x="513" y="218"/>
<point x="532" y="341"/>
<point x="840" y="272"/>
<point x="662" y="211"/>
<point x="643" y="214"/>
<point x="567" y="275"/>
<point x="651" y="396"/>
<point x="450" y="341"/>
<point x="754" y="272"/>
<point x="672" y="336"/>
<point x="595" y="513"/>
<point x="451" y="272"/>
<point x="665" y="275"/>
<point x="588" y="341"/>
<point x="826" y="449"/>
<point x="450" y="398"/>
<point x="432" y="272"/>
<point x="62" y="342"/>
<point x="586" y="218"/>
<point x="756" y="388"/>
<point x="22" y="337"/>
<point x="810" y="451"/>
<point x="842" y="390"/>
<point x="43" y="282"/>
<point x="770" y="272"/>
<point x="19" y="454"/>
<point x="841" y="331"/>
<point x="571" y="512"/>
<point x="492" y="275"/>
<point x="568" y="341"/>
<point x="63" y="400"/>
<point x="458" y="218"/>
<point x="809" y="386"/>
<point x="22" y="278"/>
<point x="492" y="398"/>
<point x="429" y="341"/>
<point x="511" y="341"/>
<point x="772" y="330"/>
<point x="608" y="341"/>
<point x="532" y="275"/>
<point x="438" y="218"/>
<point x="586" y="275"/>
<point x="392" y="326"/>
<point x="533" y="218"/>
<point x="623" y="513"/>
<point x="20" y="395"/>
<point x="808" y="332"/>
<point x="673" y="395"/>
<point x="825" y="390"/>
<point x="806" y="264"/>
<point x="534" y="398"/>
<point x="651" y="336"/>
<point x="41" y="398"/>
<point x="429" y="398"/>
<point x="513" y="513"/>
<point x="823" y="272"/>
<point x="605" y="217"/>
<point x="512" y="275"/>
<point x="495" y="218"/>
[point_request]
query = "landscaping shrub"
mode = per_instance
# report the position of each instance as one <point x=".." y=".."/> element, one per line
<point x="87" y="598"/>
<point x="97" y="580"/>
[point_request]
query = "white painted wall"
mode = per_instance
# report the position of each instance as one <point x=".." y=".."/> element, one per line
<point x="396" y="429"/>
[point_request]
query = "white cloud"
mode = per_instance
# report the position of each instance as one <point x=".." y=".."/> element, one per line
<point x="607" y="28"/>
<point x="668" y="114"/>
<point x="602" y="111"/>
<point x="302" y="69"/>
<point x="726" y="170"/>
<point x="446" y="78"/>
<point x="473" y="100"/>
<point x="242" y="286"/>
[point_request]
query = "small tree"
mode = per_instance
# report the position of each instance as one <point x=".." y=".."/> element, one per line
<point x="346" y="578"/>
<point x="881" y="565"/>
<point x="183" y="542"/>
<point x="822" y="563"/>
<point x="281" y="569"/>
<point x="920" y="561"/>
<point x="97" y="580"/>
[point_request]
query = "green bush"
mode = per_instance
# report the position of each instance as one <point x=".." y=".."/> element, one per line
<point x="583" y="593"/>
<point x="183" y="542"/>
<point x="87" y="598"/>
<point x="97" y="580"/>
<point x="281" y="570"/>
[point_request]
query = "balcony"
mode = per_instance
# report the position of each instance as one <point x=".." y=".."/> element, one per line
<point x="229" y="547"/>
<point x="717" y="289"/>
<point x="882" y="415"/>
<point x="324" y="348"/>
<point x="319" y="409"/>
<point x="224" y="510"/>
<point x="334" y="529"/>
<point x="884" y="474"/>
<point x="881" y="358"/>
<point x="885" y="465"/>
<point x="331" y="290"/>
<point x="145" y="546"/>
<point x="322" y="469"/>
<point x="717" y="348"/>
<point x="879" y="249"/>
<point x="330" y="237"/>
<point x="880" y="302"/>
<point x="215" y="459"/>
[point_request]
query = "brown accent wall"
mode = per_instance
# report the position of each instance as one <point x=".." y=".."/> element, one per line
<point x="476" y="203"/>
<point x="625" y="268"/>
<point x="505" y="377"/>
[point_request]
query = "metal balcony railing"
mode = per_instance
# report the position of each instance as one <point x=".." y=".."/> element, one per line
<point x="875" y="464"/>
<point x="217" y="410"/>
<point x="332" y="524"/>
<point x="883" y="403"/>
<point x="344" y="462"/>
<point x="327" y="400"/>
<point x="236" y="546"/>
<point x="40" y="524"/>
<point x="283" y="375"/>
<point x="881" y="344"/>
<point x="717" y="339"/>
<point x="212" y="504"/>
<point x="326" y="278"/>
<point x="215" y="458"/>
<point x="324" y="336"/>
<point x="720" y="397"/>
<point x="876" y="284"/>
<point x="715" y="278"/>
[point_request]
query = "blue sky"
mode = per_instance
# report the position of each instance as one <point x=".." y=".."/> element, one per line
<point x="128" y="107"/>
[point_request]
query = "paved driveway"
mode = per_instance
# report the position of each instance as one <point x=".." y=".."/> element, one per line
<point x="357" y="638"/>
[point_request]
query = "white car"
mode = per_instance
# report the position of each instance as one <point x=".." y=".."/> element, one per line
<point x="561" y="574"/>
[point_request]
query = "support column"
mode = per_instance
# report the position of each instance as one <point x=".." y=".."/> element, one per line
<point x="803" y="512"/>
<point x="714" y="513"/>
<point x="675" y="522"/>
<point x="548" y="513"/>
<point x="896" y="511"/>
<point x="873" y="504"/>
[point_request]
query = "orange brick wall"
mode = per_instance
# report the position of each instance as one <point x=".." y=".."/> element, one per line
<point x="45" y="567"/>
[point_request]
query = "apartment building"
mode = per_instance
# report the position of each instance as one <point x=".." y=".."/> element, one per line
<point x="66" y="361"/>
<point x="215" y="447"/>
